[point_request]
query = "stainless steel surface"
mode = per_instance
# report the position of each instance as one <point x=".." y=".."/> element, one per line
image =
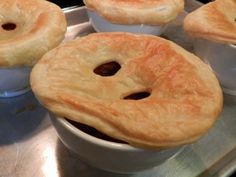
<point x="29" y="146"/>
<point x="191" y="5"/>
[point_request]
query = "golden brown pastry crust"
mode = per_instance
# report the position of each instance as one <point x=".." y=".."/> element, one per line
<point x="151" y="12"/>
<point x="214" y="21"/>
<point x="185" y="99"/>
<point x="40" y="26"/>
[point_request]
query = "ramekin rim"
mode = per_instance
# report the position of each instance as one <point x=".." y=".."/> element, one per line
<point x="94" y="140"/>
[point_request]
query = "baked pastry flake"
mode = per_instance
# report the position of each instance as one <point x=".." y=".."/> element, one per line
<point x="159" y="95"/>
<point x="151" y="12"/>
<point x="28" y="29"/>
<point x="215" y="21"/>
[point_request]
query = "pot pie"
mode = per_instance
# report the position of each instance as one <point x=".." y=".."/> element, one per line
<point x="28" y="29"/>
<point x="140" y="89"/>
<point x="152" y="12"/>
<point x="215" y="21"/>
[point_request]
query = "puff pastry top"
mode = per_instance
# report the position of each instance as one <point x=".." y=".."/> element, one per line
<point x="185" y="97"/>
<point x="214" y="21"/>
<point x="28" y="29"/>
<point x="151" y="12"/>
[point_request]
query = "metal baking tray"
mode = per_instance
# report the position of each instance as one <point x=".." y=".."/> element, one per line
<point x="29" y="145"/>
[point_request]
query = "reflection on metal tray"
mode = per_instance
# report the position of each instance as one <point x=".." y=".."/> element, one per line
<point x="29" y="145"/>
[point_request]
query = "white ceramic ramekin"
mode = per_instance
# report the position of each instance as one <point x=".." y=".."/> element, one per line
<point x="222" y="59"/>
<point x="102" y="25"/>
<point x="14" y="81"/>
<point x="107" y="155"/>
